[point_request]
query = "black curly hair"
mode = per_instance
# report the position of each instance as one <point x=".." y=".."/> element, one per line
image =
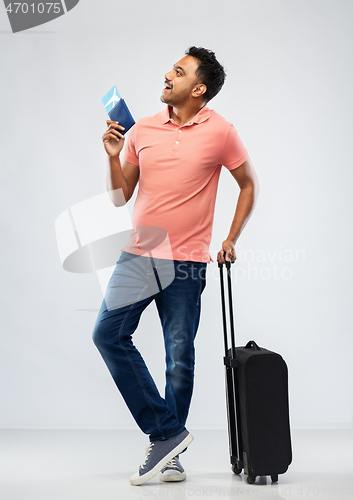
<point x="210" y="72"/>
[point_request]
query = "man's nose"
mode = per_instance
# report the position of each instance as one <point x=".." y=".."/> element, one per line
<point x="168" y="76"/>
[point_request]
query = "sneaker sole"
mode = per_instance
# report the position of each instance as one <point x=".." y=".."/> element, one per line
<point x="136" y="479"/>
<point x="173" y="477"/>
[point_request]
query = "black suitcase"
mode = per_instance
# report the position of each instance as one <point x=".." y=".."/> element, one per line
<point x="257" y="403"/>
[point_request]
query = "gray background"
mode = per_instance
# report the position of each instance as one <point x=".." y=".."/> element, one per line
<point x="288" y="93"/>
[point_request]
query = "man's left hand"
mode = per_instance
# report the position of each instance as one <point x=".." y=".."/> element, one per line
<point x="229" y="250"/>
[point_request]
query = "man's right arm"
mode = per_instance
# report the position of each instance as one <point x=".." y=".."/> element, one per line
<point x="121" y="178"/>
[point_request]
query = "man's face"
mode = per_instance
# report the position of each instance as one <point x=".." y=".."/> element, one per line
<point x="180" y="81"/>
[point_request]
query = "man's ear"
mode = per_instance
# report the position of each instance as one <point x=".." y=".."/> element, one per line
<point x="199" y="90"/>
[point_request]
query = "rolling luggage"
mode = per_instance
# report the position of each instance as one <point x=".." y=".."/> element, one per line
<point x="257" y="403"/>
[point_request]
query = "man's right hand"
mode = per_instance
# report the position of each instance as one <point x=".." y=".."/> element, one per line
<point x="113" y="140"/>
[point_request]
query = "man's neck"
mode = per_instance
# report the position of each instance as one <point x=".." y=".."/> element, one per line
<point x="183" y="115"/>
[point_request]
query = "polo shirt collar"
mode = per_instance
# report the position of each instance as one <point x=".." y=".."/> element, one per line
<point x="200" y="117"/>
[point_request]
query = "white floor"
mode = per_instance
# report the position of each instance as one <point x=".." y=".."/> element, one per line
<point x="97" y="464"/>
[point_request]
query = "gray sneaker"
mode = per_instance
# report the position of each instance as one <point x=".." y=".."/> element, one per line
<point x="173" y="471"/>
<point x="159" y="454"/>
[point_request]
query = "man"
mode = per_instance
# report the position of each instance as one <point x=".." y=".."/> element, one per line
<point x="176" y="156"/>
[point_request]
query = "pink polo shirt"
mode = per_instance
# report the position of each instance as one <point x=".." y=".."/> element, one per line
<point x="179" y="173"/>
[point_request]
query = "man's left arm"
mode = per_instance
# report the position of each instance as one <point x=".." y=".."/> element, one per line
<point x="247" y="180"/>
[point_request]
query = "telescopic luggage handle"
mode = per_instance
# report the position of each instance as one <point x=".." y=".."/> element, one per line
<point x="231" y="365"/>
<point x="231" y="316"/>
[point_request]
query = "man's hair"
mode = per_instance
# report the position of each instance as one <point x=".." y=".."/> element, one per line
<point x="210" y="72"/>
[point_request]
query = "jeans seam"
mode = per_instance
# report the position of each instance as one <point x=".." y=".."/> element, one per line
<point x="134" y="367"/>
<point x="200" y="291"/>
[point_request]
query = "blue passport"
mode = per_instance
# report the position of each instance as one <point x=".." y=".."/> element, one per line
<point x="117" y="109"/>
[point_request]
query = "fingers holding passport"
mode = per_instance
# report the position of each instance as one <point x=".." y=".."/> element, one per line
<point x="113" y="129"/>
<point x="113" y="139"/>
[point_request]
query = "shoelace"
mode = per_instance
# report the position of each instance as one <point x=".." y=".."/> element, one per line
<point x="147" y="455"/>
<point x="171" y="464"/>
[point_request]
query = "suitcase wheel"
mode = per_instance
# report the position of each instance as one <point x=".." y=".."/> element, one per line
<point x="236" y="469"/>
<point x="251" y="479"/>
<point x="274" y="478"/>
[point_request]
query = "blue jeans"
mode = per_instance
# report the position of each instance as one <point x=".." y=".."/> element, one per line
<point x="134" y="284"/>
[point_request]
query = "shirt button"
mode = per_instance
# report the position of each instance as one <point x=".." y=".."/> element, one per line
<point x="176" y="142"/>
<point x="179" y="131"/>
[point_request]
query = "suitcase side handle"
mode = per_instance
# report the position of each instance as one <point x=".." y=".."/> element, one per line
<point x="252" y="345"/>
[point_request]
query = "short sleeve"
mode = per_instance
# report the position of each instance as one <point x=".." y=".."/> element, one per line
<point x="129" y="153"/>
<point x="234" y="152"/>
